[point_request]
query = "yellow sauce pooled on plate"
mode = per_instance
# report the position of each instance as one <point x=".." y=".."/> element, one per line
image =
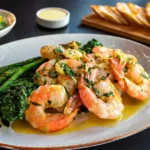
<point x="52" y="14"/>
<point x="86" y="120"/>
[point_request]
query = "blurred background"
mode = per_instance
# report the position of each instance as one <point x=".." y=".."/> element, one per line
<point x="25" y="12"/>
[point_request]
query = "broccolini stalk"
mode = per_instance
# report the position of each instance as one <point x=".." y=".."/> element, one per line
<point x="7" y="74"/>
<point x="20" y="72"/>
<point x="19" y="64"/>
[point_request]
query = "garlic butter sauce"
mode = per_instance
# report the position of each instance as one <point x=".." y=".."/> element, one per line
<point x="52" y="14"/>
<point x="87" y="120"/>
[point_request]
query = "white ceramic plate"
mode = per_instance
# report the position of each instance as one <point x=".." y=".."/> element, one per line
<point x="6" y="14"/>
<point x="24" y="49"/>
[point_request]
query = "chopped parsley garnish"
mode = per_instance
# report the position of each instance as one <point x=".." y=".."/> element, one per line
<point x="103" y="78"/>
<point x="125" y="70"/>
<point x="118" y="56"/>
<point x="58" y="50"/>
<point x="89" y="83"/>
<point x="108" y="94"/>
<point x="145" y="76"/>
<point x="37" y="76"/>
<point x="35" y="103"/>
<point x="83" y="66"/>
<point x="52" y="73"/>
<point x="57" y="59"/>
<point x="68" y="71"/>
<point x="96" y="91"/>
<point x="90" y="70"/>
<point x="90" y="44"/>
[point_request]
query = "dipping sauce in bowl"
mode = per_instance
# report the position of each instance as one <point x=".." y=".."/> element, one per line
<point x="52" y="14"/>
<point x="53" y="17"/>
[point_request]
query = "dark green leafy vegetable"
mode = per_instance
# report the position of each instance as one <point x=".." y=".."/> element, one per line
<point x="90" y="44"/>
<point x="19" y="64"/>
<point x="14" y="102"/>
<point x="20" y="72"/>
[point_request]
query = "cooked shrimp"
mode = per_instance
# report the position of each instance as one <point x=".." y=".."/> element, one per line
<point x="71" y="45"/>
<point x="51" y="52"/>
<point x="72" y="54"/>
<point x="102" y="98"/>
<point x="134" y="81"/>
<point x="46" y="73"/>
<point x="68" y="67"/>
<point x="68" y="82"/>
<point x="107" y="53"/>
<point x="48" y="96"/>
<point x="73" y="103"/>
<point x="69" y="50"/>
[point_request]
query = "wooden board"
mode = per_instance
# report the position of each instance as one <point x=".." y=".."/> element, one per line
<point x="136" y="33"/>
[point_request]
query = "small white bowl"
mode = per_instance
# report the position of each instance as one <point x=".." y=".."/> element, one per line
<point x="6" y="14"/>
<point x="53" y="24"/>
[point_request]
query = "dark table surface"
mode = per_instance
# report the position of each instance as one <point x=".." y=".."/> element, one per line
<point x="26" y="26"/>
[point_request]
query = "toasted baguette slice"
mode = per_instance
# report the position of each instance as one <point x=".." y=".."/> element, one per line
<point x="96" y="9"/>
<point x="109" y="13"/>
<point x="118" y="15"/>
<point x="140" y="13"/>
<point x="148" y="10"/>
<point x="127" y="13"/>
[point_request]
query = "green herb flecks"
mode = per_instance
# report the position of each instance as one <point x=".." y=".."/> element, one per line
<point x="90" y="70"/>
<point x="125" y="70"/>
<point x="103" y="78"/>
<point x="90" y="44"/>
<point x="108" y="94"/>
<point x="53" y="73"/>
<point x="58" y="50"/>
<point x="37" y="75"/>
<point x="35" y="103"/>
<point x="145" y="76"/>
<point x="82" y="66"/>
<point x="89" y="83"/>
<point x="96" y="91"/>
<point x="68" y="71"/>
